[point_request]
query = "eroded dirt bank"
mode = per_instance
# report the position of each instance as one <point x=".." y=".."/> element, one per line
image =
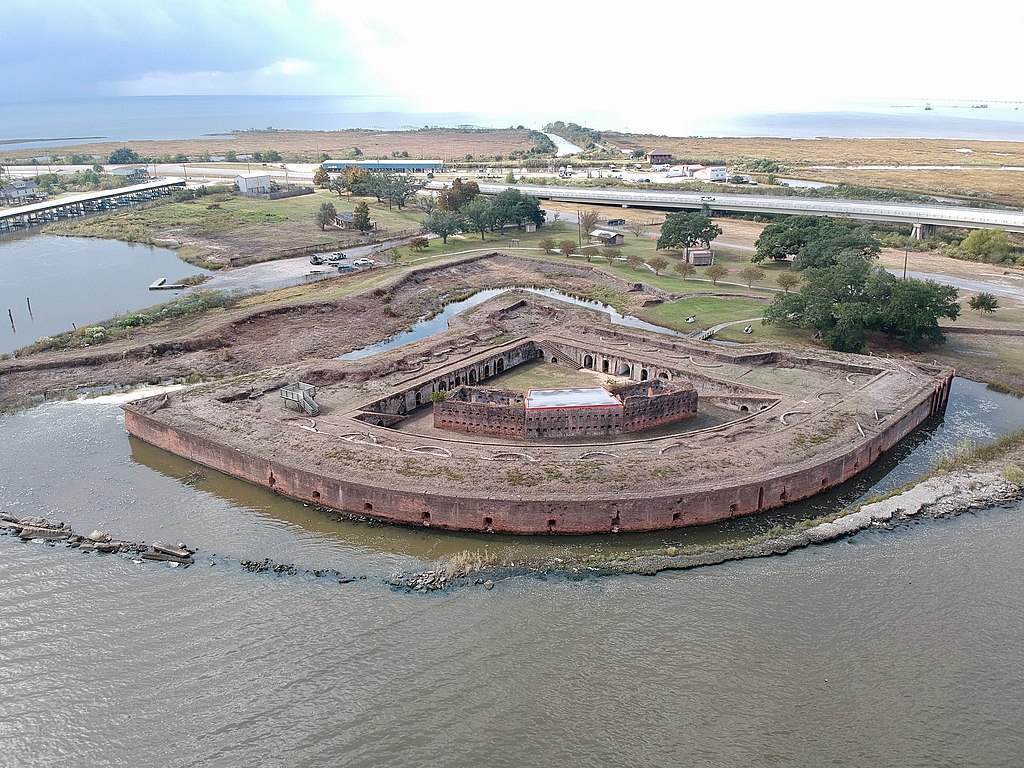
<point x="223" y="343"/>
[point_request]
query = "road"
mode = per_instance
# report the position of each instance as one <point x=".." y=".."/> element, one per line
<point x="954" y="216"/>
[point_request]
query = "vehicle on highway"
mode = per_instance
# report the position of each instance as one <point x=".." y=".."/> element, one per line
<point x="616" y="222"/>
<point x="316" y="259"/>
<point x="707" y="199"/>
<point x="364" y="262"/>
<point x="337" y="256"/>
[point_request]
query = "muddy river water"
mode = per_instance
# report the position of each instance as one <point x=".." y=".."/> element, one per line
<point x="899" y="647"/>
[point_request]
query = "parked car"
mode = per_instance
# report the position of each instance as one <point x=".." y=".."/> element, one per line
<point x="316" y="259"/>
<point x="336" y="257"/>
<point x="346" y="268"/>
<point x="364" y="262"/>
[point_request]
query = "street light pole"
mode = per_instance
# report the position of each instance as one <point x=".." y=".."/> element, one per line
<point x="579" y="228"/>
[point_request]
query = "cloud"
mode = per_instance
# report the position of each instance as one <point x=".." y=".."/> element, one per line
<point x="533" y="56"/>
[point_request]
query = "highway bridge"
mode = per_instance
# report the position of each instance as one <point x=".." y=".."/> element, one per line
<point x="35" y="214"/>
<point x="924" y="218"/>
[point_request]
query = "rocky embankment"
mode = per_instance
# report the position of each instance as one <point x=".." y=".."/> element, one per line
<point x="939" y="496"/>
<point x="41" y="530"/>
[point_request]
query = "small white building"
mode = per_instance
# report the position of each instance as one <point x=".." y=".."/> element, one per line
<point x="132" y="174"/>
<point x="700" y="257"/>
<point x="253" y="183"/>
<point x="712" y="173"/>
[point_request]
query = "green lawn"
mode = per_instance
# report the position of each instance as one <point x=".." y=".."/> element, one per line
<point x="708" y="311"/>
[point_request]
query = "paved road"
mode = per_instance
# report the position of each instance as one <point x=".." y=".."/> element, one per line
<point x="956" y="216"/>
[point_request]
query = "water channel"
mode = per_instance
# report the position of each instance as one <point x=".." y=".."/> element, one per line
<point x="431" y="326"/>
<point x="76" y="281"/>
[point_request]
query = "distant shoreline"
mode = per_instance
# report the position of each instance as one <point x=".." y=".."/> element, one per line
<point x="55" y="138"/>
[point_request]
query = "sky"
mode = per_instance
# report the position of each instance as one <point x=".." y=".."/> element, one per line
<point x="553" y="56"/>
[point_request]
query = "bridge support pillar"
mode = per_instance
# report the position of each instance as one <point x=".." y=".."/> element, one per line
<point x="923" y="231"/>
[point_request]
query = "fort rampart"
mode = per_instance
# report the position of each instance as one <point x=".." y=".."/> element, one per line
<point x="692" y="503"/>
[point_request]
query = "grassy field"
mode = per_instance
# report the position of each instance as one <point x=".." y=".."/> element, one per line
<point x="795" y="153"/>
<point x="541" y="375"/>
<point x="442" y="144"/>
<point x="218" y="227"/>
<point x="1003" y="187"/>
<point x="708" y="311"/>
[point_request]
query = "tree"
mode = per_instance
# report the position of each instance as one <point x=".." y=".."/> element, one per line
<point x="588" y="220"/>
<point x="123" y="156"/>
<point x="813" y="241"/>
<point x="548" y="244"/>
<point x="427" y="203"/>
<point x="991" y="245"/>
<point x="657" y="263"/>
<point x="337" y="185"/>
<point x="983" y="302"/>
<point x="510" y="178"/>
<point x="361" y="217"/>
<point x="326" y="214"/>
<point x="611" y="255"/>
<point x="321" y="177"/>
<point x="787" y="280"/>
<point x="716" y="272"/>
<point x="590" y="251"/>
<point x="685" y="269"/>
<point x="513" y="207"/>
<point x="394" y="255"/>
<point x="638" y="227"/>
<point x="400" y="188"/>
<point x="444" y="224"/>
<point x="479" y="215"/>
<point x="751" y="275"/>
<point x="685" y="230"/>
<point x="567" y="248"/>
<point x="634" y="261"/>
<point x="458" y="195"/>
<point x="419" y="244"/>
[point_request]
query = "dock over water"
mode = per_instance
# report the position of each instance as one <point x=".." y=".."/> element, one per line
<point x="36" y="214"/>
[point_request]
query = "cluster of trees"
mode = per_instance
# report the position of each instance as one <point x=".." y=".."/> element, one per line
<point x="395" y="188"/>
<point x="814" y="241"/>
<point x="992" y="246"/>
<point x="128" y="156"/>
<point x="80" y="181"/>
<point x="463" y="209"/>
<point x="845" y="300"/>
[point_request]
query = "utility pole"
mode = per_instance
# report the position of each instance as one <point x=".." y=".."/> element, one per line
<point x="906" y="256"/>
<point x="579" y="228"/>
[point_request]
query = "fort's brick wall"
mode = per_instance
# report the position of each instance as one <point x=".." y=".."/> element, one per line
<point x="553" y="515"/>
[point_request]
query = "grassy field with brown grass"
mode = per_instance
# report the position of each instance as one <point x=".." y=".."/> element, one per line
<point x="990" y="185"/>
<point x="443" y="144"/>
<point x="796" y="153"/>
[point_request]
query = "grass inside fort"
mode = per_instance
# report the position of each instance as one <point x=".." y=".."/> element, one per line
<point x="541" y="375"/>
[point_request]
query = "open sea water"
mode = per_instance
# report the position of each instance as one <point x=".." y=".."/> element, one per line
<point x="50" y="123"/>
